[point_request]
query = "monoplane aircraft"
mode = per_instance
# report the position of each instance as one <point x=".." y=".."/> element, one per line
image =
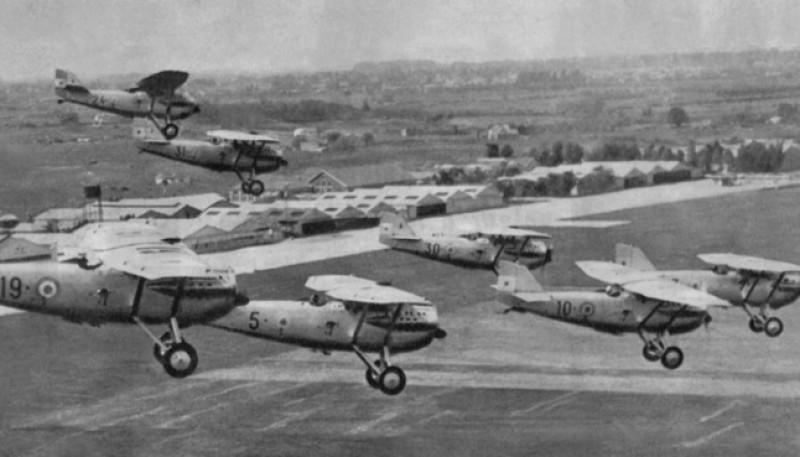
<point x="224" y="151"/>
<point x="154" y="97"/>
<point x="476" y="249"/>
<point x="748" y="282"/>
<point x="346" y="313"/>
<point x="656" y="307"/>
<point x="126" y="273"/>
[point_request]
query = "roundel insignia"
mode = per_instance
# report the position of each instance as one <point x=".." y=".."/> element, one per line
<point x="586" y="309"/>
<point x="47" y="288"/>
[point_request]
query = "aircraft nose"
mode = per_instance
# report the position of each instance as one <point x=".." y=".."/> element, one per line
<point x="196" y="109"/>
<point x="439" y="334"/>
<point x="548" y="255"/>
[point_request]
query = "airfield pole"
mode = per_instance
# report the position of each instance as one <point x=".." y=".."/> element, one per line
<point x="95" y="192"/>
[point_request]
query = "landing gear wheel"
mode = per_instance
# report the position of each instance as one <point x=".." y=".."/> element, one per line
<point x="672" y="358"/>
<point x="157" y="353"/>
<point x="170" y="131"/>
<point x="246" y="187"/>
<point x="392" y="381"/>
<point x="256" y="188"/>
<point x="651" y="353"/>
<point x="180" y="360"/>
<point x="371" y="380"/>
<point x="756" y="326"/>
<point x="773" y="327"/>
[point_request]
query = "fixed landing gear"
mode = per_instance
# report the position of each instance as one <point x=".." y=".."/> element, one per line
<point x="771" y="326"/>
<point x="671" y="357"/>
<point x="253" y="187"/>
<point x="170" y="131"/>
<point x="175" y="354"/>
<point x="389" y="379"/>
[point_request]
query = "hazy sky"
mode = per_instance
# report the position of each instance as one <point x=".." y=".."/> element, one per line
<point x="95" y="37"/>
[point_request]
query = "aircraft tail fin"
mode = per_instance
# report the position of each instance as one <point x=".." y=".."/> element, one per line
<point x="513" y="278"/>
<point x="394" y="227"/>
<point x="633" y="257"/>
<point x="144" y="131"/>
<point x="67" y="83"/>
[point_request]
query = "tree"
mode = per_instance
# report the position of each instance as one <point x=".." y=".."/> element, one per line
<point x="787" y="111"/>
<point x="506" y="151"/>
<point x="368" y="138"/>
<point x="492" y="150"/>
<point x="677" y="116"/>
<point x="573" y="152"/>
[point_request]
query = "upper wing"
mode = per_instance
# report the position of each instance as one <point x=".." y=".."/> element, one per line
<point x="232" y="135"/>
<point x="156" y="261"/>
<point x="325" y="283"/>
<point x="375" y="295"/>
<point x="161" y="84"/>
<point x="514" y="232"/>
<point x="673" y="292"/>
<point x="743" y="262"/>
<point x="612" y="273"/>
<point x="140" y="250"/>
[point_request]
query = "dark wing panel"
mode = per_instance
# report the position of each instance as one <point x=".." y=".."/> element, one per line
<point x="161" y="84"/>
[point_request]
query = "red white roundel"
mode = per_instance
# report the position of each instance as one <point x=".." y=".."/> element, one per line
<point x="47" y="288"/>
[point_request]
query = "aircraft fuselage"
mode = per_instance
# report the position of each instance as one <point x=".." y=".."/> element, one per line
<point x="105" y="295"/>
<point x="464" y="252"/>
<point x="217" y="157"/>
<point x="606" y="313"/>
<point x="130" y="104"/>
<point x="332" y="326"/>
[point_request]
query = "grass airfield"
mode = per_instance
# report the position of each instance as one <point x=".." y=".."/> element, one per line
<point x="497" y="385"/>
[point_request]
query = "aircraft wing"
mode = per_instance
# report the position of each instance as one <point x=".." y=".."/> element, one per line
<point x="612" y="273"/>
<point x="658" y="289"/>
<point x="325" y="283"/>
<point x="163" y="83"/>
<point x="743" y="262"/>
<point x="156" y="261"/>
<point x="514" y="232"/>
<point x="375" y="295"/>
<point x="232" y="135"/>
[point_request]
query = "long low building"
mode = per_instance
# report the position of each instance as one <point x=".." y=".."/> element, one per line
<point x="626" y="174"/>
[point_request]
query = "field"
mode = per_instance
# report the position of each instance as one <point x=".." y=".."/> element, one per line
<point x="498" y="384"/>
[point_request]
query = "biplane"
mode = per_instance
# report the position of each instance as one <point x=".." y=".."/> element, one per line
<point x="225" y="150"/>
<point x="479" y="248"/>
<point x="126" y="273"/>
<point x="650" y="308"/>
<point x="154" y="97"/>
<point x="346" y="313"/>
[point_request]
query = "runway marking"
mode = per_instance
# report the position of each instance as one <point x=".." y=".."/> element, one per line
<point x="373" y="423"/>
<point x="186" y="417"/>
<point x="436" y="416"/>
<point x="133" y="417"/>
<point x="732" y="405"/>
<point x="548" y="404"/>
<point x="175" y="437"/>
<point x="292" y="417"/>
<point x="706" y="439"/>
<point x="231" y="389"/>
